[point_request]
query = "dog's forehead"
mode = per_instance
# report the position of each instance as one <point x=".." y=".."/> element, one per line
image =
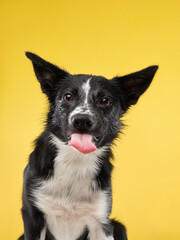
<point x="82" y="79"/>
<point x="89" y="83"/>
<point x="86" y="85"/>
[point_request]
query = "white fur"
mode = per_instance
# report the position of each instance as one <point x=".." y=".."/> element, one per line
<point x="83" y="108"/>
<point x="43" y="234"/>
<point x="109" y="238"/>
<point x="70" y="199"/>
<point x="86" y="87"/>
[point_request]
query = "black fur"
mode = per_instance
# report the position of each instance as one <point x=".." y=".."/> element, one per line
<point x="108" y="100"/>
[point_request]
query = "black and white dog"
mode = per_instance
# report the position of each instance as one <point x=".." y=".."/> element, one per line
<point x="67" y="192"/>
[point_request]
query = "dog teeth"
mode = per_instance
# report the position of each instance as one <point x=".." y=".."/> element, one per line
<point x="96" y="139"/>
<point x="69" y="138"/>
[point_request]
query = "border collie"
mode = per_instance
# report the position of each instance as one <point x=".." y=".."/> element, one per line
<point x="67" y="192"/>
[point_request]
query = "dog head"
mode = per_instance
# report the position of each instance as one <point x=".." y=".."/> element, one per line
<point x="85" y="110"/>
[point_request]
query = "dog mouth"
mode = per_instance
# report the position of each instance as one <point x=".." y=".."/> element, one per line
<point x="83" y="142"/>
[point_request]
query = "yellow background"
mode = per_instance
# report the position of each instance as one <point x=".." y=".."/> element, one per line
<point x="106" y="38"/>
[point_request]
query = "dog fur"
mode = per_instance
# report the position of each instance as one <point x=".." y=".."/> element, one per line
<point x="67" y="194"/>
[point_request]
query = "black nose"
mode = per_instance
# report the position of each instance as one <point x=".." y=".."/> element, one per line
<point x="82" y="122"/>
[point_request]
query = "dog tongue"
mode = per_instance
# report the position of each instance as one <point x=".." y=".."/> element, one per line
<point x="82" y="142"/>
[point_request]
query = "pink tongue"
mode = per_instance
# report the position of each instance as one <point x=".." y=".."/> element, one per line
<point x="82" y="142"/>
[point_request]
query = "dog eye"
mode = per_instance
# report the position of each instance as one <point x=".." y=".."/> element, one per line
<point x="68" y="97"/>
<point x="106" y="102"/>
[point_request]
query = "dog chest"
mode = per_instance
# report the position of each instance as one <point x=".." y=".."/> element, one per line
<point x="70" y="195"/>
<point x="70" y="200"/>
<point x="69" y="210"/>
<point x="68" y="218"/>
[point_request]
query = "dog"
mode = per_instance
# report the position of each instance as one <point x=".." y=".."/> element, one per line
<point x="67" y="192"/>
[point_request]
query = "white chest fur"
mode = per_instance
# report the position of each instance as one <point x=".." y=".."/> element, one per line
<point x="70" y="200"/>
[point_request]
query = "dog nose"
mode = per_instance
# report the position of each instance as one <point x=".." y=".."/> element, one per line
<point x="82" y="122"/>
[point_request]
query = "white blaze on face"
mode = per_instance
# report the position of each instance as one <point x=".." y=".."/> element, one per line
<point x="86" y="87"/>
<point x="83" y="108"/>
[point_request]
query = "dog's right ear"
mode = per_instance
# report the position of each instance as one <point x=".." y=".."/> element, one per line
<point x="47" y="73"/>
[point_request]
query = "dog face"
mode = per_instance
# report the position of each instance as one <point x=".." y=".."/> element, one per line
<point x="86" y="109"/>
<point x="86" y="105"/>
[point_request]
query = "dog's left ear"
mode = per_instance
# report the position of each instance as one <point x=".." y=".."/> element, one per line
<point x="47" y="74"/>
<point x="133" y="85"/>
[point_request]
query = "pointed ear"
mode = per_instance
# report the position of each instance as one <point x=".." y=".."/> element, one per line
<point x="47" y="74"/>
<point x="133" y="85"/>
